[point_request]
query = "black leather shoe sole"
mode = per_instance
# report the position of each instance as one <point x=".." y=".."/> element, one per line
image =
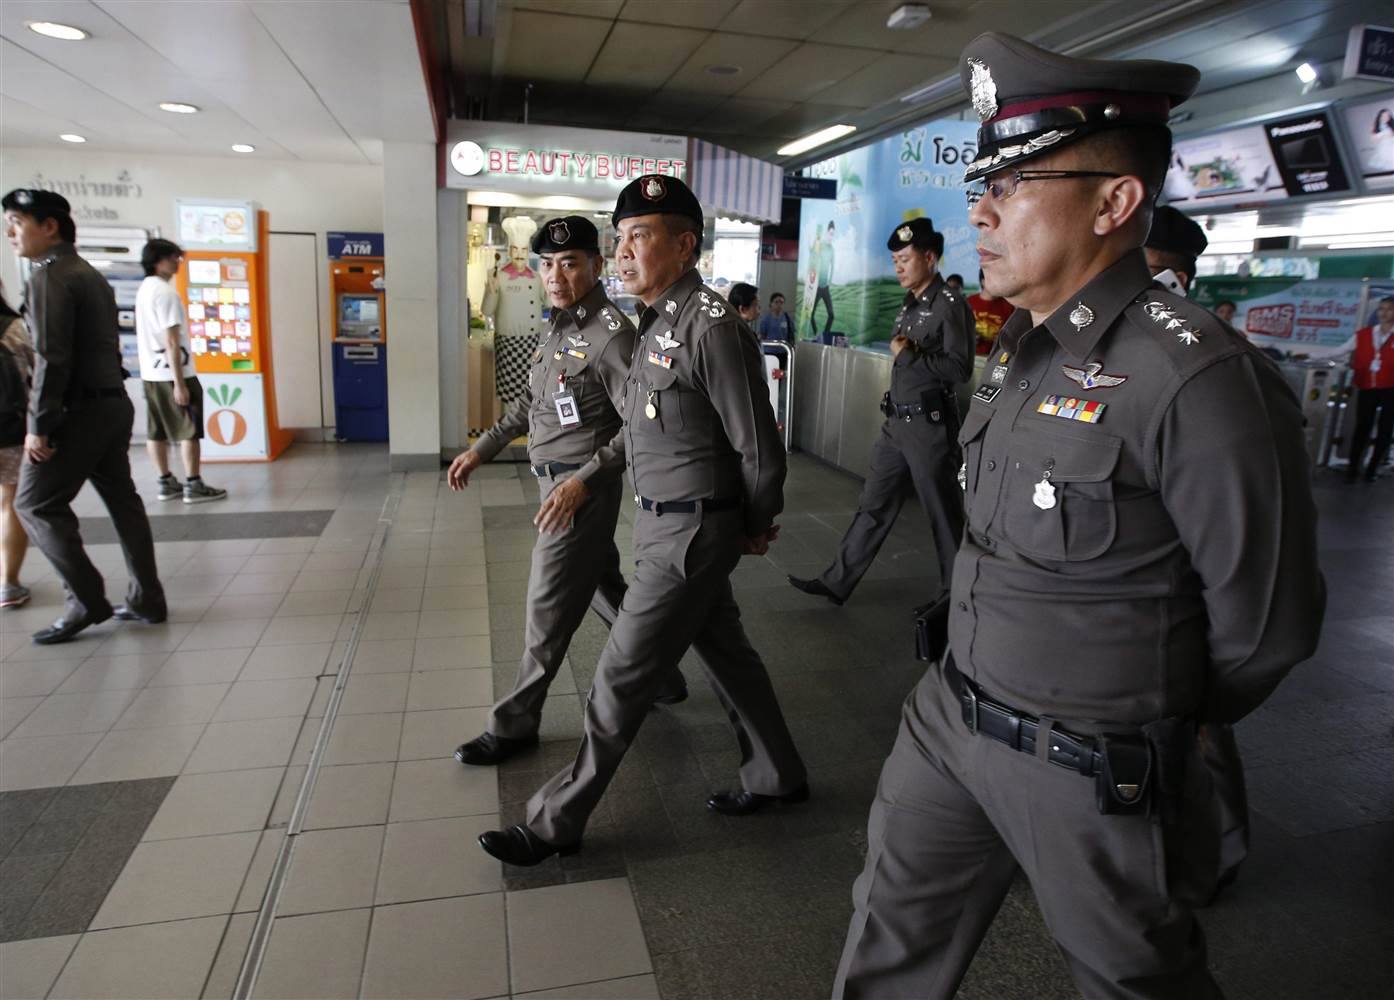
<point x="475" y="755"/>
<point x="744" y="803"/>
<point x="124" y="613"/>
<point x="671" y="698"/>
<point x="816" y="588"/>
<point x="521" y="847"/>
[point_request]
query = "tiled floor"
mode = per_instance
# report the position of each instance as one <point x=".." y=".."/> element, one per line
<point x="394" y="608"/>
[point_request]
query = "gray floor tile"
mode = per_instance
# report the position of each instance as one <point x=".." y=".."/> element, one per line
<point x="368" y="694"/>
<point x="114" y="673"/>
<point x="117" y="963"/>
<point x="350" y="795"/>
<point x="28" y="969"/>
<point x="416" y="950"/>
<point x="84" y="712"/>
<point x="364" y="739"/>
<point x="332" y="870"/>
<point x="243" y="746"/>
<point x="435" y="689"/>
<point x="266" y="663"/>
<point x="441" y="788"/>
<point x="431" y="859"/>
<point x="222" y="978"/>
<point x="131" y="754"/>
<point x="178" y="879"/>
<point x="337" y="940"/>
<point x="568" y="934"/>
<point x="182" y="705"/>
<point x="376" y="656"/>
<point x="205" y="666"/>
<point x="221" y="802"/>
<point x="437" y="734"/>
<point x="629" y="988"/>
<point x="252" y="699"/>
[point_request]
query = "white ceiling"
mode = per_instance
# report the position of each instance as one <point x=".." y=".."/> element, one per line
<point x="319" y="80"/>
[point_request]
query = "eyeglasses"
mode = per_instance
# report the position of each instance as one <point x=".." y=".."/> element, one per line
<point x="1004" y="187"/>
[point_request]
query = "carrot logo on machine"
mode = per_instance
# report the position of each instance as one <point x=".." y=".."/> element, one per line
<point x="226" y="426"/>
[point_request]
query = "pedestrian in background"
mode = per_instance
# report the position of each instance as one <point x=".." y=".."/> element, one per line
<point x="16" y="367"/>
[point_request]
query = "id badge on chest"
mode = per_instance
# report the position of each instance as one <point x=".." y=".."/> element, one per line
<point x="568" y="411"/>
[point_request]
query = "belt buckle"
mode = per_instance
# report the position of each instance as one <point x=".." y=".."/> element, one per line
<point x="658" y="508"/>
<point x="909" y="415"/>
<point x="973" y="699"/>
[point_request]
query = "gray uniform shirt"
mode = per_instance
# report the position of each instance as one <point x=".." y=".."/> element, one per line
<point x="585" y="356"/>
<point x="1141" y="537"/>
<point x="941" y="329"/>
<point x="71" y="312"/>
<point x="712" y="435"/>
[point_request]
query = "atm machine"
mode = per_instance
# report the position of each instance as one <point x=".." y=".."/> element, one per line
<point x="359" y="307"/>
<point x="115" y="252"/>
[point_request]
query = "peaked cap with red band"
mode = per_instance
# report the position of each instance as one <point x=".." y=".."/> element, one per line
<point x="1031" y="101"/>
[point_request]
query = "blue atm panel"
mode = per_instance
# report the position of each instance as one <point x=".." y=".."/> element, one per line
<point x="360" y="392"/>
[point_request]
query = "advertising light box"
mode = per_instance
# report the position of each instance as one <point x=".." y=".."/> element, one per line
<point x="1371" y="130"/>
<point x="208" y="224"/>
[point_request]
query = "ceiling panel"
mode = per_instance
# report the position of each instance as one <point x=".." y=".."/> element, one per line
<point x="643" y="58"/>
<point x="752" y="55"/>
<point x="800" y="120"/>
<point x="807" y="70"/>
<point x="740" y="114"/>
<point x="796" y="19"/>
<point x="707" y="14"/>
<point x="864" y="25"/>
<point x="668" y="113"/>
<point x="531" y="54"/>
<point x="885" y="79"/>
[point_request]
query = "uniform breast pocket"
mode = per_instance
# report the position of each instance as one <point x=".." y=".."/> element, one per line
<point x="1057" y="500"/>
<point x="577" y="374"/>
<point x="659" y="408"/>
<point x="970" y="439"/>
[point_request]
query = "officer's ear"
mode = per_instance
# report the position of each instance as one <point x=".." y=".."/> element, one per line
<point x="1120" y="205"/>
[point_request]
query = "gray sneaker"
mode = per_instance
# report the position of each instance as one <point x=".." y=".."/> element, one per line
<point x="169" y="488"/>
<point x="13" y="595"/>
<point x="197" y="491"/>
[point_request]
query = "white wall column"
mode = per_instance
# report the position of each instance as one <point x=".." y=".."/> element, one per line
<point x="413" y="340"/>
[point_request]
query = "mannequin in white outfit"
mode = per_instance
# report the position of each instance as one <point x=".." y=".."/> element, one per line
<point x="514" y="301"/>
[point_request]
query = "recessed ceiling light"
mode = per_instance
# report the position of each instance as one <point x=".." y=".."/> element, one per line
<point x="72" y="137"/>
<point x="816" y="139"/>
<point x="178" y="108"/>
<point x="723" y="69"/>
<point x="242" y="147"/>
<point x="62" y="32"/>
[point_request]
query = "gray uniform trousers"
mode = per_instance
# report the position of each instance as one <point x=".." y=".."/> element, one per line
<point x="955" y="814"/>
<point x="571" y="570"/>
<point x="679" y="595"/>
<point x="914" y="454"/>
<point x="93" y="446"/>
<point x="1230" y="803"/>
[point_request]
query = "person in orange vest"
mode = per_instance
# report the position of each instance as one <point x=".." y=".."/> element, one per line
<point x="1372" y="362"/>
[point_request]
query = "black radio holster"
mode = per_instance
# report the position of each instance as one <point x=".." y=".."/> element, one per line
<point x="1123" y="785"/>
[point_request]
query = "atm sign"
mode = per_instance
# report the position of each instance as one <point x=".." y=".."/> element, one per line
<point x="342" y="245"/>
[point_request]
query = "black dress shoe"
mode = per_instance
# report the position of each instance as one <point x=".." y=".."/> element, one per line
<point x="520" y="846"/>
<point x="126" y="613"/>
<point x="66" y="629"/>
<point x="486" y="750"/>
<point x="815" y="587"/>
<point x="743" y="803"/>
<point x="673" y="695"/>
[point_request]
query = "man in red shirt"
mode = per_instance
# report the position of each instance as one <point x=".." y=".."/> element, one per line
<point x="1372" y="361"/>
<point x="989" y="313"/>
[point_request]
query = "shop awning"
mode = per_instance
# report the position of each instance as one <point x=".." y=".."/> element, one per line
<point x="734" y="185"/>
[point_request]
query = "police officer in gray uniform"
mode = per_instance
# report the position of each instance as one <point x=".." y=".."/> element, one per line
<point x="79" y="420"/>
<point x="1140" y="556"/>
<point x="917" y="450"/>
<point x="707" y="464"/>
<point x="567" y="409"/>
<point x="1173" y="244"/>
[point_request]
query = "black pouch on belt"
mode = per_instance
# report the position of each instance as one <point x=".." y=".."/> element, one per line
<point x="1123" y="784"/>
<point x="933" y="403"/>
<point x="886" y="406"/>
<point x="932" y="630"/>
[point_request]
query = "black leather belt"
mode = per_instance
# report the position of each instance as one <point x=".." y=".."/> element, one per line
<point x="553" y="469"/>
<point x="116" y="393"/>
<point x="907" y="411"/>
<point x="661" y="507"/>
<point x="1019" y="731"/>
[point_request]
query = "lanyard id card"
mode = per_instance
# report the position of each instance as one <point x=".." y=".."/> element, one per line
<point x="568" y="412"/>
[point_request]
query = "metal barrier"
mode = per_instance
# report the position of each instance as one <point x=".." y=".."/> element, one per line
<point x="781" y="399"/>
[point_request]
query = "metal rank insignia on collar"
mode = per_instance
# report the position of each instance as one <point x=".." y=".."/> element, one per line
<point x="1092" y="376"/>
<point x="580" y="312"/>
<point x="1158" y="312"/>
<point x="670" y="307"/>
<point x="610" y="322"/>
<point x="666" y="341"/>
<point x="1070" y="408"/>
<point x="1081" y="317"/>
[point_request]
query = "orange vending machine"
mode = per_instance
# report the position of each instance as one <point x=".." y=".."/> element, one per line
<point x="224" y="286"/>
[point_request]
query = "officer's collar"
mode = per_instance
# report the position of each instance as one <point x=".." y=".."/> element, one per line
<point x="670" y="303"/>
<point x="584" y="309"/>
<point x="54" y="252"/>
<point x="1085" y="316"/>
<point x="927" y="296"/>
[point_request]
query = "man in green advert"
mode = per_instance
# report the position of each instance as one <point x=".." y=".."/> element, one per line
<point x="821" y="277"/>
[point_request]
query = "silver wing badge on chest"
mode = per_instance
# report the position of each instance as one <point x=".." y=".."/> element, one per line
<point x="1092" y="376"/>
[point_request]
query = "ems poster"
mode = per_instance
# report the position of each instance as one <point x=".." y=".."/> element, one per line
<point x="848" y="285"/>
<point x="1313" y="318"/>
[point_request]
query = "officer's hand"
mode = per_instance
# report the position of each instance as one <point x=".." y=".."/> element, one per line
<point x="760" y="544"/>
<point x="181" y="394"/>
<point x="559" y="509"/>
<point x="36" y="447"/>
<point x="458" y="475"/>
<point x="898" y="343"/>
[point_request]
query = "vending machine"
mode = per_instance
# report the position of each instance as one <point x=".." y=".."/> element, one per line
<point x="358" y="303"/>
<point x="224" y="286"/>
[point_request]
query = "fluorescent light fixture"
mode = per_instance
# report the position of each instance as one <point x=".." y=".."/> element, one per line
<point x="178" y="108"/>
<point x="72" y="137"/>
<point x="62" y="32"/>
<point x="908" y="16"/>
<point x="1307" y="73"/>
<point x="819" y="138"/>
<point x="1230" y="247"/>
<point x="242" y="147"/>
<point x="1388" y="240"/>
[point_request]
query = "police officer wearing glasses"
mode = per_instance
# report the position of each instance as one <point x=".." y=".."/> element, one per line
<point x="1139" y="558"/>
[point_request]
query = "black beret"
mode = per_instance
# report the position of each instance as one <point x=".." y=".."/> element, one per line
<point x="656" y="194"/>
<point x="33" y="201"/>
<point x="1032" y="101"/>
<point x="918" y="233"/>
<point x="1174" y="231"/>
<point x="570" y="232"/>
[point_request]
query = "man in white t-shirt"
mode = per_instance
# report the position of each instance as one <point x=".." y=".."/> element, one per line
<point x="173" y="396"/>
